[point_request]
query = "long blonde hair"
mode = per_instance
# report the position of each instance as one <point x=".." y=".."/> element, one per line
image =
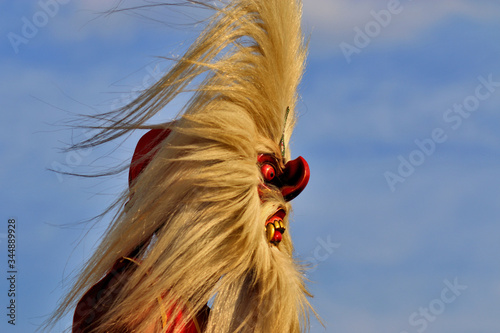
<point x="194" y="214"/>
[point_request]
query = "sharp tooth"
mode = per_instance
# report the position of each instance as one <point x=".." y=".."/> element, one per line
<point x="270" y="229"/>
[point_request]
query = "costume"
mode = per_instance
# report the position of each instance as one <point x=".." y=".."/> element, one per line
<point x="205" y="217"/>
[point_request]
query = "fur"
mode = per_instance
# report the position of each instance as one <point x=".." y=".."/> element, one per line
<point x="195" y="214"/>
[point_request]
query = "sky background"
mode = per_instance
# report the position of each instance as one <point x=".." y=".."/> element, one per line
<point x="400" y="218"/>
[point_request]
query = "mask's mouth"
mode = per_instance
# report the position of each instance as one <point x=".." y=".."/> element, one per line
<point x="275" y="227"/>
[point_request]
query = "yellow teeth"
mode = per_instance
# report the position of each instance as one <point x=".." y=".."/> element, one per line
<point x="270" y="229"/>
<point x="280" y="223"/>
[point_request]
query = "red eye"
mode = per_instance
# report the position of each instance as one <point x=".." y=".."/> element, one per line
<point x="268" y="172"/>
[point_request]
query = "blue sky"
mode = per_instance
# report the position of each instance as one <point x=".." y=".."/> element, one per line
<point x="420" y="255"/>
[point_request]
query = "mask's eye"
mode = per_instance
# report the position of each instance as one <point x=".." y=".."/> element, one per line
<point x="268" y="172"/>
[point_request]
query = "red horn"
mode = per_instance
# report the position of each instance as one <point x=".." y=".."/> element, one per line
<point x="142" y="154"/>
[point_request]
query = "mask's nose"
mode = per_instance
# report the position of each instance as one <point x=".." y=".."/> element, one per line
<point x="295" y="178"/>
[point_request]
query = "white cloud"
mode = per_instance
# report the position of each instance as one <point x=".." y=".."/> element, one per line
<point x="336" y="19"/>
<point x="123" y="20"/>
<point x="86" y="19"/>
<point x="393" y="109"/>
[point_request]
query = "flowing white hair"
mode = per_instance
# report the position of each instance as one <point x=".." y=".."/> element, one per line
<point x="195" y="218"/>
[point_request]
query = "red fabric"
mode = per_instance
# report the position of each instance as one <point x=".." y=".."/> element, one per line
<point x="97" y="300"/>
